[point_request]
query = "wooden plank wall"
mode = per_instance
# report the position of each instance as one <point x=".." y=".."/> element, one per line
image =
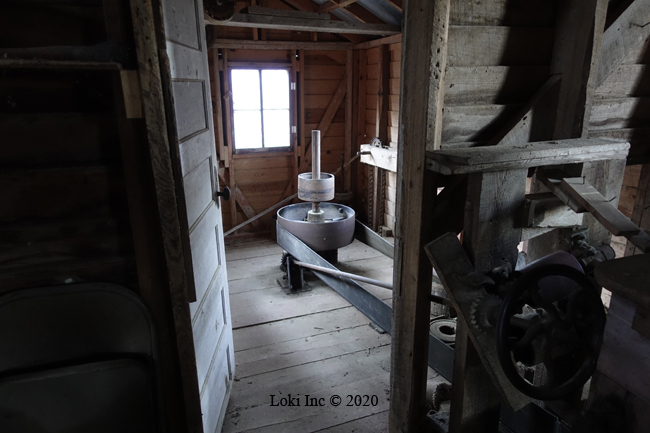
<point x="499" y="55"/>
<point x="621" y="110"/>
<point x="64" y="215"/>
<point x="264" y="177"/>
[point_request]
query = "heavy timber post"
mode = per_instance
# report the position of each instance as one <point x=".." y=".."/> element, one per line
<point x="424" y="50"/>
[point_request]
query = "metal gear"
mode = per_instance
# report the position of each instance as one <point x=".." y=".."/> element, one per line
<point x="283" y="261"/>
<point x="484" y="311"/>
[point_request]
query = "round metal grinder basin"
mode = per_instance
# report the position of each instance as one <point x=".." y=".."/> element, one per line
<point x="336" y="232"/>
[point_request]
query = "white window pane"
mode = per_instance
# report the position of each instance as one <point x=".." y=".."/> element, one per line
<point x="277" y="128"/>
<point x="248" y="129"/>
<point x="245" y="89"/>
<point x="275" y="88"/>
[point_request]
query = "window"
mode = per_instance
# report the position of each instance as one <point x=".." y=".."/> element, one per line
<point x="261" y="108"/>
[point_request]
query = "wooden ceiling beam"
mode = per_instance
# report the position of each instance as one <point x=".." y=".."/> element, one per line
<point x="239" y="44"/>
<point x="310" y="6"/>
<point x="304" y="25"/>
<point x="330" y="5"/>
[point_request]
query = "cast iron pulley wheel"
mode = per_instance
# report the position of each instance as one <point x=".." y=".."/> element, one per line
<point x="559" y="331"/>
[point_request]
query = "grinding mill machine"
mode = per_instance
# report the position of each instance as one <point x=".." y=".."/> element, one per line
<point x="324" y="227"/>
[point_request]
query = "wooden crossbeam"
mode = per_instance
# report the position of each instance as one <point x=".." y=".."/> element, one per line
<point x="304" y="25"/>
<point x="259" y="10"/>
<point x="628" y="31"/>
<point x="388" y="40"/>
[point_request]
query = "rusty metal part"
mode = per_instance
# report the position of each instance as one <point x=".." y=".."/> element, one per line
<point x="563" y="330"/>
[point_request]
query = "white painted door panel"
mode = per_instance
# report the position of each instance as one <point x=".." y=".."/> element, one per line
<point x="211" y="324"/>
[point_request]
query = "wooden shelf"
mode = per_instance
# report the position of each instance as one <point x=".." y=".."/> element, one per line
<point x="527" y="155"/>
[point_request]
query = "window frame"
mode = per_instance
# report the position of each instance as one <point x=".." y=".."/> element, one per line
<point x="292" y="107"/>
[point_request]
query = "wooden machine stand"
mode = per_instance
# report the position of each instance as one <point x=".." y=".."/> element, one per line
<point x="499" y="215"/>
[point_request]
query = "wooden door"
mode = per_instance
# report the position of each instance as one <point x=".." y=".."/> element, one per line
<point x="188" y="83"/>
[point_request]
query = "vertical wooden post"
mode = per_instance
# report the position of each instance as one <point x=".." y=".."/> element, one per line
<point x="492" y="234"/>
<point x="231" y="165"/>
<point x="254" y="29"/>
<point x="295" y="72"/>
<point x="361" y="127"/>
<point x="381" y="129"/>
<point x="424" y="48"/>
<point x="349" y="97"/>
<point x="301" y="102"/>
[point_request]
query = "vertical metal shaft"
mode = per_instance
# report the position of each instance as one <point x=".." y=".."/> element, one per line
<point x="315" y="154"/>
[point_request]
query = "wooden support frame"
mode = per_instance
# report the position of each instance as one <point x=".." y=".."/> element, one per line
<point x="426" y="26"/>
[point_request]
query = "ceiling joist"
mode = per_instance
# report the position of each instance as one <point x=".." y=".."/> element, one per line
<point x="304" y="24"/>
<point x="330" y="5"/>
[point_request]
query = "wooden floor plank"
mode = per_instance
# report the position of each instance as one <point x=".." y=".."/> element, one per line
<point x="376" y="423"/>
<point x="265" y="249"/>
<point x="273" y="304"/>
<point x="304" y="350"/>
<point x="300" y="327"/>
<point x="312" y="343"/>
<point x="364" y="372"/>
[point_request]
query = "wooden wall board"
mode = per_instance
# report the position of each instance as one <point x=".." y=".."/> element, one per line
<point x="336" y="129"/>
<point x="321" y="87"/>
<point x="626" y="81"/>
<point x="485" y="85"/>
<point x="474" y="122"/>
<point x="324" y="72"/>
<point x="56" y="193"/>
<point x="497" y="45"/>
<point x="315" y="114"/>
<point x="73" y="139"/>
<point x="519" y="13"/>
<point x="619" y="113"/>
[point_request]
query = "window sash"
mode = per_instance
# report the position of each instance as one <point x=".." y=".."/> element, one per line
<point x="261" y="110"/>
